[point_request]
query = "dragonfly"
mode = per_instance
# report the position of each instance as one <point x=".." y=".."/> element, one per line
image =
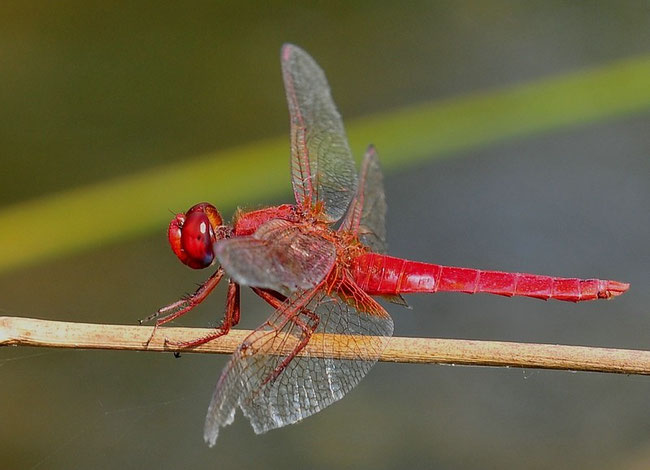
<point x="319" y="263"/>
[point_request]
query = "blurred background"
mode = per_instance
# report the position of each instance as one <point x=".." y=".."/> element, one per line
<point x="93" y="91"/>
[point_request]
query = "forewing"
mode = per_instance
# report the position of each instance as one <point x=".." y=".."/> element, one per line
<point x="366" y="216"/>
<point x="308" y="383"/>
<point x="278" y="256"/>
<point x="322" y="167"/>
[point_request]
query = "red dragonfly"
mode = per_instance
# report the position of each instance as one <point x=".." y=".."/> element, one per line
<point x="318" y="263"/>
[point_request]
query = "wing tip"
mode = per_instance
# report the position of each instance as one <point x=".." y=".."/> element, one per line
<point x="210" y="438"/>
<point x="287" y="50"/>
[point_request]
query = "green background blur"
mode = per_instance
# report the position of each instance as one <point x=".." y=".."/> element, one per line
<point x="91" y="91"/>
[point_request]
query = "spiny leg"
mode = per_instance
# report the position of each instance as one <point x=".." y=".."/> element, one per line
<point x="231" y="318"/>
<point x="276" y="299"/>
<point x="308" y="331"/>
<point x="181" y="307"/>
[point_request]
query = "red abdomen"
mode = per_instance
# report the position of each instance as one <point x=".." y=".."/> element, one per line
<point x="385" y="275"/>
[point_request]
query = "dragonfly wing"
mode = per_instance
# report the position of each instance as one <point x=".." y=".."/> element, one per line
<point x="278" y="256"/>
<point x="308" y="383"/>
<point x="322" y="166"/>
<point x="366" y="216"/>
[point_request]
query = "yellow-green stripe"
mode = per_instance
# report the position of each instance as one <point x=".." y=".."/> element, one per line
<point x="125" y="207"/>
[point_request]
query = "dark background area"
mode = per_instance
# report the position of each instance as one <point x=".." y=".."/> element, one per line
<point x="90" y="91"/>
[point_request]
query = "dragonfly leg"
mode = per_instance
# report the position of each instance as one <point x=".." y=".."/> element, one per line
<point x="276" y="299"/>
<point x="231" y="318"/>
<point x="307" y="332"/>
<point x="182" y="306"/>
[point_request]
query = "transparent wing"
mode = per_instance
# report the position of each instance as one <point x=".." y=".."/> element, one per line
<point x="306" y="384"/>
<point x="322" y="166"/>
<point x="278" y="256"/>
<point x="366" y="215"/>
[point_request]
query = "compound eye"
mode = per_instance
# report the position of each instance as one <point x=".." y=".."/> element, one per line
<point x="197" y="237"/>
<point x="192" y="234"/>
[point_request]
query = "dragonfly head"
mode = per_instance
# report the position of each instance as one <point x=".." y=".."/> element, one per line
<point x="193" y="233"/>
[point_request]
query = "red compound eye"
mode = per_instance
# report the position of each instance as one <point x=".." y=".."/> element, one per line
<point x="191" y="235"/>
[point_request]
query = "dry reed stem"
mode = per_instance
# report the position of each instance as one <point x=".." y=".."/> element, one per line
<point x="18" y="331"/>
